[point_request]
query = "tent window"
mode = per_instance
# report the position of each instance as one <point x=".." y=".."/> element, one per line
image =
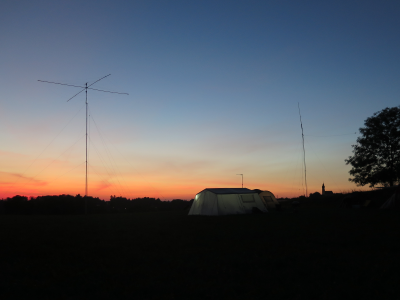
<point x="247" y="198"/>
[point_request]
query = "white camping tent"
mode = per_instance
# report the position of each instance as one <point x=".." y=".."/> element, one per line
<point x="269" y="199"/>
<point x="226" y="201"/>
<point x="393" y="201"/>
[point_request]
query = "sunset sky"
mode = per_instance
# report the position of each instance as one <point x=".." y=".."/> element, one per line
<point x="213" y="87"/>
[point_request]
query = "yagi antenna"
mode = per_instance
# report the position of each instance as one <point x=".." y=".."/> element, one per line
<point x="85" y="88"/>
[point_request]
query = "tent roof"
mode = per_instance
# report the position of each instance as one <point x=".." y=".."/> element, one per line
<point x="229" y="191"/>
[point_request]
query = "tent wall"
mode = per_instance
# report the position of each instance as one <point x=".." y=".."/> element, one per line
<point x="210" y="204"/>
<point x="196" y="206"/>
<point x="268" y="199"/>
<point x="205" y="203"/>
<point x="230" y="205"/>
<point x="252" y="200"/>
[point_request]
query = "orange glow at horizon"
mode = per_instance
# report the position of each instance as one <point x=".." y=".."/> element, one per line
<point x="166" y="176"/>
<point x="14" y="184"/>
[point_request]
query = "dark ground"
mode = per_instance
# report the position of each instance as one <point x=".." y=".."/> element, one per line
<point x="319" y="252"/>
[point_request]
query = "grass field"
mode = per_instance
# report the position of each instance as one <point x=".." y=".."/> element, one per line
<point x="316" y="253"/>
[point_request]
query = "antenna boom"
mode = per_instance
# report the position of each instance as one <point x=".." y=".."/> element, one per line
<point x="86" y="87"/>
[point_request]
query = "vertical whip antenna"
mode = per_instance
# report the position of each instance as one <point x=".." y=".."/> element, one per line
<point x="86" y="179"/>
<point x="304" y="150"/>
<point x="85" y="88"/>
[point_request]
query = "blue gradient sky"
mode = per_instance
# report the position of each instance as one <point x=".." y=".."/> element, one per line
<point x="213" y="87"/>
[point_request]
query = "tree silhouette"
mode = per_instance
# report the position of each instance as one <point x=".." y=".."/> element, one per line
<point x="376" y="159"/>
<point x="67" y="204"/>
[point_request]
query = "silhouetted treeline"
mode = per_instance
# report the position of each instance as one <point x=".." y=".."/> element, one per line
<point x="120" y="204"/>
<point x="67" y="204"/>
<point x="373" y="199"/>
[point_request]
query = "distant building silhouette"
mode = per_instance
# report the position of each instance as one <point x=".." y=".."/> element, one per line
<point x="325" y="192"/>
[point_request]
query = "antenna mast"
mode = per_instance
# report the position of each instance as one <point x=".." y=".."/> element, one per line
<point x="304" y="151"/>
<point x="85" y="88"/>
<point x="86" y="181"/>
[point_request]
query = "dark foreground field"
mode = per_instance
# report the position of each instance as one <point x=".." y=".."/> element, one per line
<point x="315" y="253"/>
